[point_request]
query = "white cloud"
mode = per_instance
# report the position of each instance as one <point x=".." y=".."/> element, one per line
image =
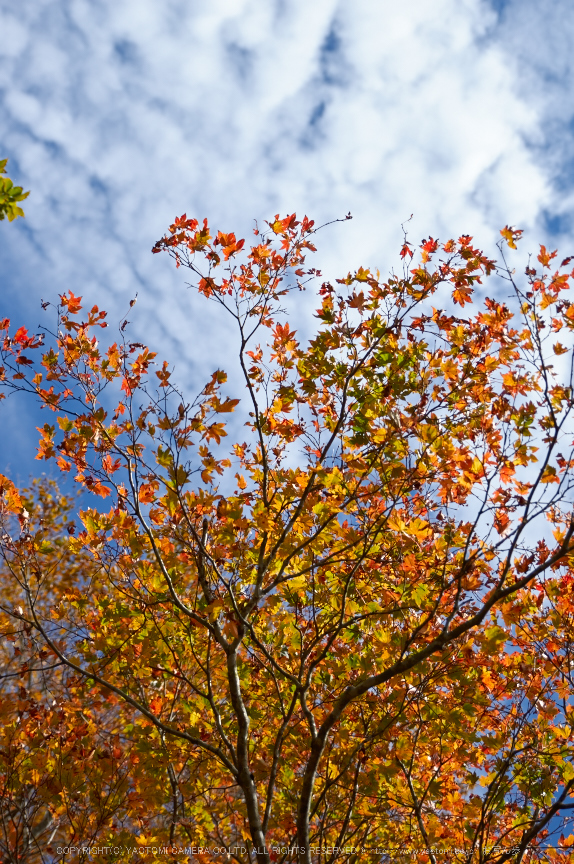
<point x="538" y="39"/>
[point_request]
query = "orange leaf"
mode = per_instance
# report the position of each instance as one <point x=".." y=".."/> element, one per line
<point x="225" y="407"/>
<point x="146" y="493"/>
<point x="546" y="257"/>
<point x="72" y="302"/>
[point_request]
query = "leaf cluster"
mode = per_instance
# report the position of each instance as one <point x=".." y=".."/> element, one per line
<point x="10" y="196"/>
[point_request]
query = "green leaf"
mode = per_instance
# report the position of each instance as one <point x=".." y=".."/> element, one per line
<point x="10" y="195"/>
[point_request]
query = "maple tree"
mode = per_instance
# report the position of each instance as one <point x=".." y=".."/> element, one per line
<point x="352" y="630"/>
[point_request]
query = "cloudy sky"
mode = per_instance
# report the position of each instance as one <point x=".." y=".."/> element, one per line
<point x="121" y="114"/>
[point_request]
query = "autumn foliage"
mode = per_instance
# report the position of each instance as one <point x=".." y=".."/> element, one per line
<point x="350" y="630"/>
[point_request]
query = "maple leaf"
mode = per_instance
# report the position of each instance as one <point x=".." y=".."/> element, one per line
<point x="71" y="302"/>
<point x="462" y="295"/>
<point x="511" y="235"/>
<point x="358" y="301"/>
<point x="224" y="407"/>
<point x="558" y="348"/>
<point x="546" y="257"/>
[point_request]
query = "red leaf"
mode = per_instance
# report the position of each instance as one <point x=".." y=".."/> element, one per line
<point x="21" y="336"/>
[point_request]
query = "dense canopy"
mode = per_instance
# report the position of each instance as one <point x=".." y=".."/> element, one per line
<point x="344" y="636"/>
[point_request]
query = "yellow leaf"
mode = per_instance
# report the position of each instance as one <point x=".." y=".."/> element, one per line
<point x="298" y="582"/>
<point x="510" y="235"/>
<point x="549" y="475"/>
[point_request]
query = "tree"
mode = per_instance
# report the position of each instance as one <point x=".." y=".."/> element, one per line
<point x="353" y="629"/>
<point x="10" y="196"/>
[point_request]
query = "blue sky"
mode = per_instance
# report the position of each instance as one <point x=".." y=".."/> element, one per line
<point x="120" y="115"/>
